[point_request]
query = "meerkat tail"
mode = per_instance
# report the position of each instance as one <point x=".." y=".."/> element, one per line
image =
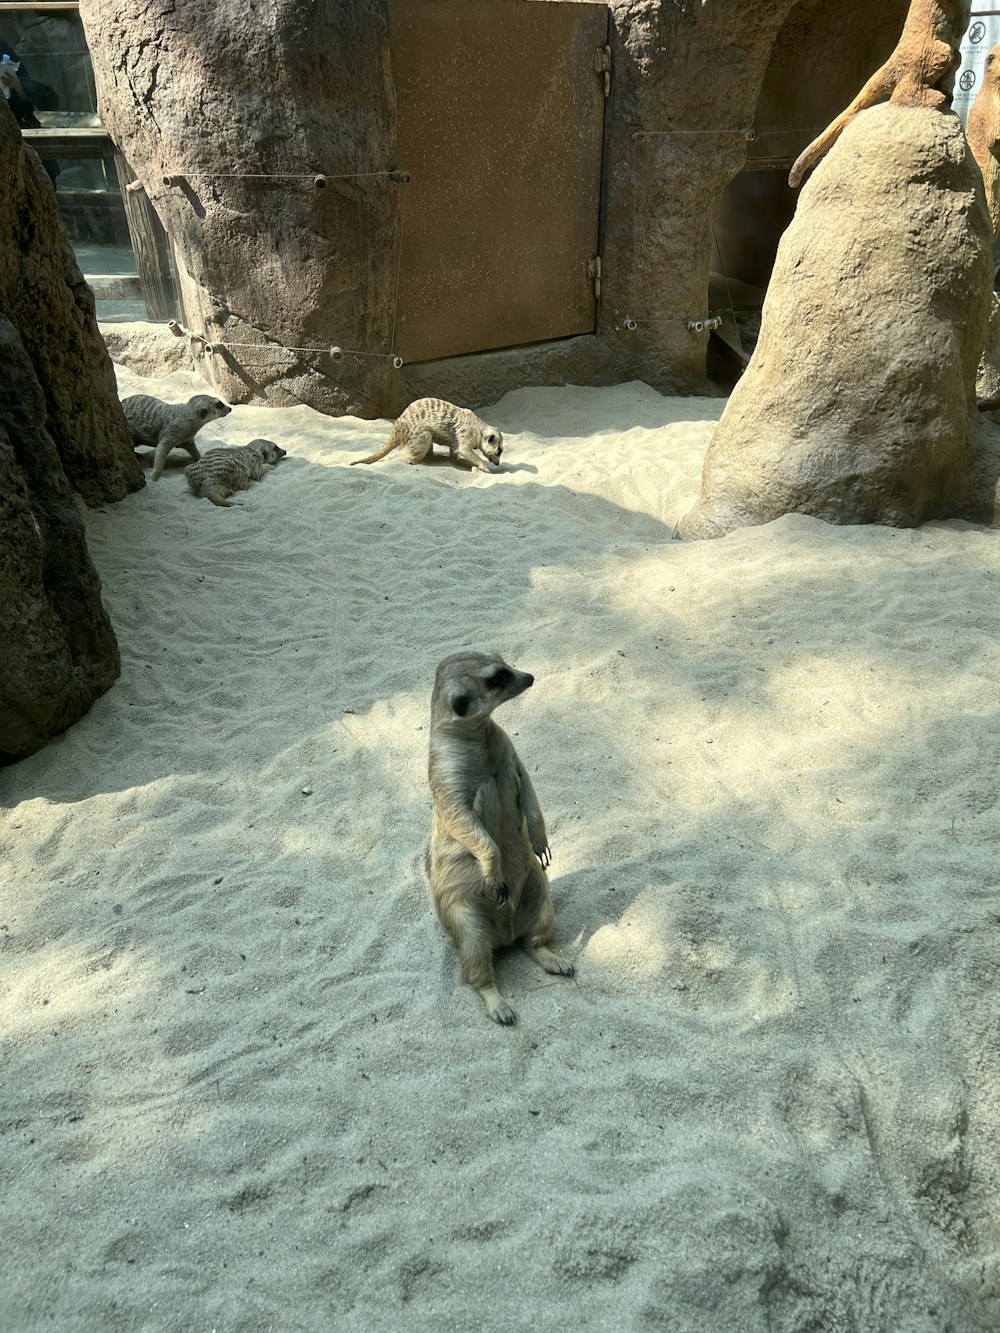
<point x="878" y="89"/>
<point x="212" y="493"/>
<point x="387" y="448"/>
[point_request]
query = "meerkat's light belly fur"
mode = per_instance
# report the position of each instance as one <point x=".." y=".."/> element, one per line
<point x="497" y="806"/>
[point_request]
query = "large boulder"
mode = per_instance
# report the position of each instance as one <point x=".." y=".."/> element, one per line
<point x="61" y="429"/>
<point x="858" y="405"/>
<point x="59" y="649"/>
<point x="43" y="294"/>
<point x="242" y="105"/>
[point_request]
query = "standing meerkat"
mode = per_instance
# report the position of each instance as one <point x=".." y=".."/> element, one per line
<point x="165" y="426"/>
<point x="223" y="471"/>
<point x="430" y="419"/>
<point x="488" y="845"/>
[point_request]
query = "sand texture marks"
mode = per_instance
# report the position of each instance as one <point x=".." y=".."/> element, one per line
<point x="243" y="1086"/>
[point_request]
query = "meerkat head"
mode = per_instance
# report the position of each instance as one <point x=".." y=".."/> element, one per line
<point x="492" y="444"/>
<point x="208" y="409"/>
<point x="468" y="686"/>
<point x="268" y="450"/>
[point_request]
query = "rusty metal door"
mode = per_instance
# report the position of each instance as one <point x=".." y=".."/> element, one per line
<point x="500" y="120"/>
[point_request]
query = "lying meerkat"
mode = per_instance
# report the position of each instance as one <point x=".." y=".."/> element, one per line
<point x="165" y="426"/>
<point x="223" y="471"/>
<point x="430" y="419"/>
<point x="488" y="842"/>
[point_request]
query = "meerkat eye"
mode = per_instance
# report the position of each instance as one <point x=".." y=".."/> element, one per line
<point x="499" y="678"/>
<point x="461" y="705"/>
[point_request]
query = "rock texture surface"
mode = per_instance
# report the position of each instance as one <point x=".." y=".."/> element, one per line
<point x="60" y="428"/>
<point x="280" y="91"/>
<point x="59" y="651"/>
<point x="43" y="294"/>
<point x="687" y="82"/>
<point x="858" y="405"/>
<point x="198" y="90"/>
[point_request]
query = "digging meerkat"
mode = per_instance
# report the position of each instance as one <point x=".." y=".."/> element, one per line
<point x="165" y="426"/>
<point x="430" y="419"/>
<point x="488" y="845"/>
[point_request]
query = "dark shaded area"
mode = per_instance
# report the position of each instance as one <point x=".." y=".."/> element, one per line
<point x="59" y="648"/>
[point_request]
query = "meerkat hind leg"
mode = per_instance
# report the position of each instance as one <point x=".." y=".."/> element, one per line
<point x="535" y="922"/>
<point x="475" y="954"/>
<point x="421" y="444"/>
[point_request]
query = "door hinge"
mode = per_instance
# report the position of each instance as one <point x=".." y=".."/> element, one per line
<point x="594" y="272"/>
<point x="602" y="65"/>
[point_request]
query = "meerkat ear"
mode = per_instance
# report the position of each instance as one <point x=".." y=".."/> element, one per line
<point x="203" y="412"/>
<point x="460" y="705"/>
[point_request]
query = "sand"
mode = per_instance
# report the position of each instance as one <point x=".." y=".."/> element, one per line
<point x="243" y="1088"/>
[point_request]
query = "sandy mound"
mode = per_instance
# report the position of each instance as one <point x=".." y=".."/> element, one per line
<point x="243" y="1088"/>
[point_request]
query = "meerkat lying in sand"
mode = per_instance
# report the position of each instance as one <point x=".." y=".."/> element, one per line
<point x="223" y="471"/>
<point x="488" y="842"/>
<point x="430" y="419"/>
<point x="165" y="426"/>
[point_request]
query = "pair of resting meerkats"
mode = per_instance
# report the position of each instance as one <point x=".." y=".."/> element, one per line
<point x="163" y="426"/>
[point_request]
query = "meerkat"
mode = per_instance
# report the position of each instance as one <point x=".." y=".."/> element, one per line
<point x="165" y="426"/>
<point x="489" y="849"/>
<point x="223" y="471"/>
<point x="430" y="419"/>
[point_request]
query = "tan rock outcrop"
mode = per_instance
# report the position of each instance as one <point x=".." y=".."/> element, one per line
<point x="858" y="405"/>
<point x="44" y="296"/>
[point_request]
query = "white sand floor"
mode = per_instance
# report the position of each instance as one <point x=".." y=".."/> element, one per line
<point x="243" y="1088"/>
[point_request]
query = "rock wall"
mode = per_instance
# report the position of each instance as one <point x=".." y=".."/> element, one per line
<point x="61" y="429"/>
<point x="290" y="90"/>
<point x="43" y="294"/>
<point x="203" y="89"/>
<point x="59" y="650"/>
<point x="687" y="81"/>
<point x="858" y="405"/>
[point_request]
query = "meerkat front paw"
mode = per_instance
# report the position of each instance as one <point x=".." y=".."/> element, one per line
<point x="499" y="890"/>
<point x="544" y="853"/>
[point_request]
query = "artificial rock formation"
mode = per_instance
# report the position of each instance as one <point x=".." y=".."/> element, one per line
<point x="858" y="405"/>
<point x="43" y="294"/>
<point x="59" y="650"/>
<point x="242" y="105"/>
<point x="197" y="90"/>
<point x="61" y="428"/>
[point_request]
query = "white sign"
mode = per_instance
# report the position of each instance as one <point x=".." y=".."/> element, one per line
<point x="982" y="36"/>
